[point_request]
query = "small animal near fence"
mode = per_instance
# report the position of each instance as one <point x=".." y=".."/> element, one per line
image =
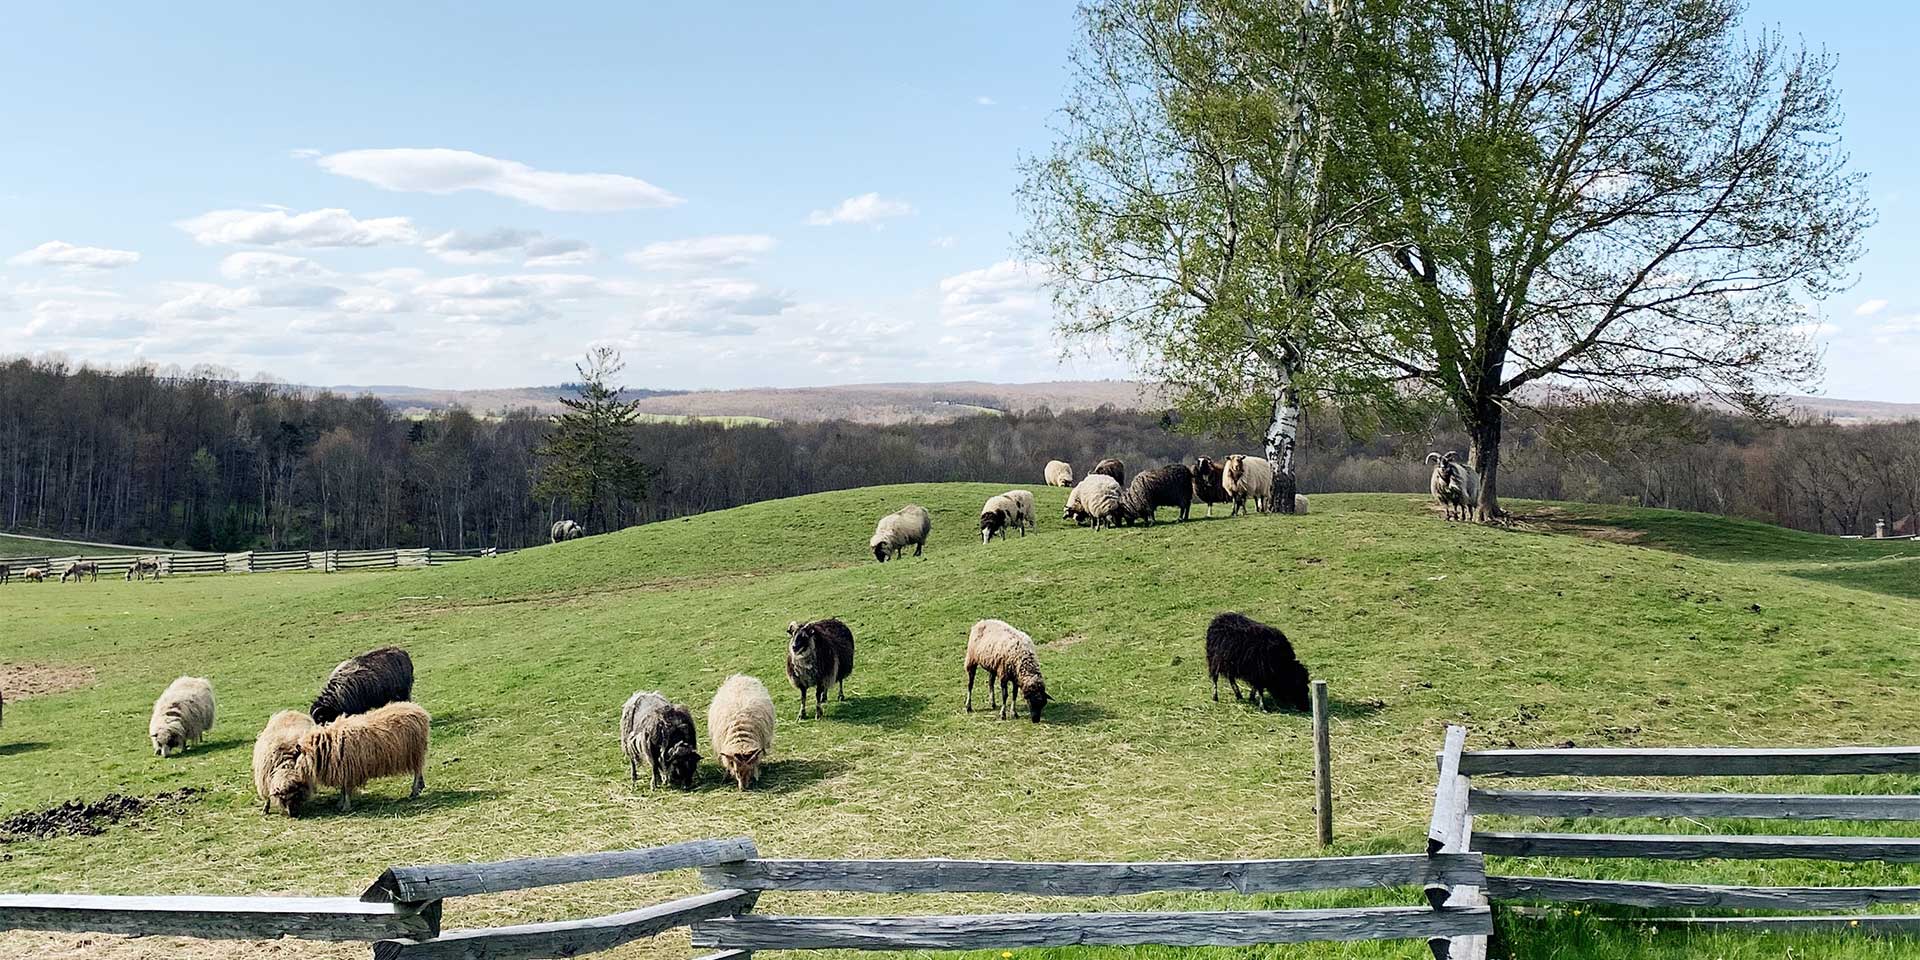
<point x="1458" y="800"/>
<point x="401" y="911"/>
<point x="259" y="561"/>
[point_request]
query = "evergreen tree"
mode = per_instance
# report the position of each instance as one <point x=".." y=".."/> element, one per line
<point x="589" y="459"/>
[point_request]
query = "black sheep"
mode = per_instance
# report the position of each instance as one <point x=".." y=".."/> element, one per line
<point x="366" y="682"/>
<point x="1243" y="649"/>
<point x="1209" y="482"/>
<point x="819" y="656"/>
<point x="1169" y="486"/>
<point x="667" y="737"/>
<point x="1113" y="468"/>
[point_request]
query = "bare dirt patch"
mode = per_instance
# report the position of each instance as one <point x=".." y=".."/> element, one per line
<point x="1065" y="642"/>
<point x="24" y="681"/>
<point x="94" y="946"/>
<point x="81" y="818"/>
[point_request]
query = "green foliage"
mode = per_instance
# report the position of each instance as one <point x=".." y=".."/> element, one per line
<point x="589" y="458"/>
<point x="1535" y="637"/>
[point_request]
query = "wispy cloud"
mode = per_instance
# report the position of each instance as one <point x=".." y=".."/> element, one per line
<point x="985" y="101"/>
<point x="866" y="208"/>
<point x="532" y="247"/>
<point x="440" y="170"/>
<point x="1869" y="308"/>
<point x="59" y="253"/>
<point x="703" y="253"/>
<point x="332" y="227"/>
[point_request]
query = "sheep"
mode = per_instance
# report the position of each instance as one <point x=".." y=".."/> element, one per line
<point x="141" y="567"/>
<point x="1243" y="649"/>
<point x="274" y="749"/>
<point x="1112" y="468"/>
<point x="1455" y="485"/>
<point x="1002" y="511"/>
<point x="740" y="727"/>
<point x="565" y="530"/>
<point x="79" y="569"/>
<point x="368" y="681"/>
<point x="1248" y="478"/>
<point x="6" y="572"/>
<point x="182" y="715"/>
<point x="353" y="750"/>
<point x="662" y="734"/>
<point x="1169" y="486"/>
<point x="1097" y="498"/>
<point x="907" y="526"/>
<point x="1059" y="473"/>
<point x="1208" y="482"/>
<point x="819" y="655"/>
<point x="35" y="574"/>
<point x="1012" y="665"/>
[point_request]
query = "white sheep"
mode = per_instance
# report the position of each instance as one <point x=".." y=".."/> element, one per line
<point x="1012" y="664"/>
<point x="1003" y="511"/>
<point x="1248" y="478"/>
<point x="740" y="725"/>
<point x="1097" y="497"/>
<point x="1455" y="485"/>
<point x="276" y="747"/>
<point x="903" y="528"/>
<point x="1059" y="473"/>
<point x="182" y="715"/>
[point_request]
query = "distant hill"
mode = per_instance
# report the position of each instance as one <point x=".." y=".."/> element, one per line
<point x="909" y="402"/>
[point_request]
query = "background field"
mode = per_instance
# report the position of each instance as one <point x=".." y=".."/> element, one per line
<point x="17" y="546"/>
<point x="1587" y="625"/>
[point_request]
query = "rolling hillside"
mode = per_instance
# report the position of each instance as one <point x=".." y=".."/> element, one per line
<point x="1588" y="625"/>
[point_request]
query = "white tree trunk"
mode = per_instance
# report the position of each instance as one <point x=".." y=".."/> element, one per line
<point x="1283" y="438"/>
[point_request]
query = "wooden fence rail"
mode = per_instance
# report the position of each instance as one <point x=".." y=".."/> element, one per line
<point x="258" y="561"/>
<point x="246" y="918"/>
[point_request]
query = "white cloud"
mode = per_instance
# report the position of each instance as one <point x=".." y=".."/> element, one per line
<point x="865" y="208"/>
<point x="702" y="253"/>
<point x="304" y="153"/>
<point x="1895" y="326"/>
<point x="332" y="227"/>
<point x="83" y="320"/>
<point x="504" y="245"/>
<point x="1820" y="329"/>
<point x="1004" y="296"/>
<point x="440" y="170"/>
<point x="708" y="307"/>
<point x="944" y="241"/>
<point x="985" y="101"/>
<point x="1869" y="308"/>
<point x="59" y="253"/>
<point x="256" y="265"/>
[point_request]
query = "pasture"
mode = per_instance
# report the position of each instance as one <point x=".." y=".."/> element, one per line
<point x="18" y="546"/>
<point x="1599" y="626"/>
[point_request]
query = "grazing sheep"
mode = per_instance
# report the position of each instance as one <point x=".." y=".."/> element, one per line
<point x="353" y="750"/>
<point x="141" y="567"/>
<point x="368" y="681"/>
<point x="565" y="530"/>
<point x="1243" y="649"/>
<point x="662" y="734"/>
<point x="1455" y="485"/>
<point x="820" y="655"/>
<point x="1097" y="498"/>
<point x="274" y="749"/>
<point x="1006" y="510"/>
<point x="79" y="569"/>
<point x="6" y="573"/>
<point x="1012" y="665"/>
<point x="740" y="727"/>
<point x="35" y="574"/>
<point x="1248" y="478"/>
<point x="1059" y="473"/>
<point x="182" y="715"/>
<point x="1112" y="468"/>
<point x="1209" y="482"/>
<point x="1169" y="486"/>
<point x="907" y="526"/>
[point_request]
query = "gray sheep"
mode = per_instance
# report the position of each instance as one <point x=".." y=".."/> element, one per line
<point x="819" y="655"/>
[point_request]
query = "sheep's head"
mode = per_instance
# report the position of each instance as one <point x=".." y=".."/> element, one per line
<point x="1294" y="687"/>
<point x="803" y="642"/>
<point x="290" y="785"/>
<point x="880" y="551"/>
<point x="990" y="524"/>
<point x="682" y="764"/>
<point x="168" y="740"/>
<point x="743" y="766"/>
<point x="1035" y="694"/>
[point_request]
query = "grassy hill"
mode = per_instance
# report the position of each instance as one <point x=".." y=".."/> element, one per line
<point x="15" y="546"/>
<point x="1592" y="625"/>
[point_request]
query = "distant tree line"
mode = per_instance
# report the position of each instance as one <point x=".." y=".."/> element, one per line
<point x="194" y="461"/>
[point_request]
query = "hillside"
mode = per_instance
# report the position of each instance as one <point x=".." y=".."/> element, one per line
<point x="1591" y="625"/>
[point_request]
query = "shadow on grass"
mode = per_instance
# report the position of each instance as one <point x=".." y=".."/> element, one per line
<point x="454" y="723"/>
<point x="216" y="746"/>
<point x="787" y="776"/>
<point x="1066" y="713"/>
<point x="890" y="708"/>
<point x="326" y="803"/>
<point x="1899" y="577"/>
<point x="1351" y="709"/>
<point x="24" y="746"/>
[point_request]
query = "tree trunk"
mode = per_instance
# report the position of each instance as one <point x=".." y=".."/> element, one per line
<point x="1283" y="441"/>
<point x="1484" y="430"/>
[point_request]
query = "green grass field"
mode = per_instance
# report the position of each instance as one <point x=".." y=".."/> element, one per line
<point x="1600" y="626"/>
<point x="13" y="546"/>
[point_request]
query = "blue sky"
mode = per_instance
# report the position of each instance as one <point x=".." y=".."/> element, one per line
<point x="778" y="194"/>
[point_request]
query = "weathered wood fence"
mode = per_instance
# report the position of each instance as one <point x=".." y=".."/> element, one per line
<point x="259" y="561"/>
<point x="401" y="911"/>
<point x="1457" y="801"/>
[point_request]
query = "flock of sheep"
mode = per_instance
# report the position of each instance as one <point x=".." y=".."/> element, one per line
<point x="78" y="570"/>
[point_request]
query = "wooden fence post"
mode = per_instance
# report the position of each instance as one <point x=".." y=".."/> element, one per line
<point x="1322" y="766"/>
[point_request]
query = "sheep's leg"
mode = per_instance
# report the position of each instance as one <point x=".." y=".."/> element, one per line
<point x="1233" y="682"/>
<point x="1216" y="685"/>
<point x="633" y="770"/>
<point x="917" y="548"/>
<point x="819" y="701"/>
<point x="840" y="689"/>
<point x="346" y="799"/>
<point x="803" y="703"/>
<point x="970" y="669"/>
<point x="419" y="784"/>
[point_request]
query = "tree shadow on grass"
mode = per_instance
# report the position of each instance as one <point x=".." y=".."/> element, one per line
<point x="24" y="746"/>
<point x="326" y="803"/>
<point x="891" y="709"/>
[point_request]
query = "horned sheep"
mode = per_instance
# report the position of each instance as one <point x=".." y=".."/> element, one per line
<point x="366" y="682"/>
<point x="903" y="528"/>
<point x="1245" y="650"/>
<point x="182" y="715"/>
<point x="740" y="727"/>
<point x="662" y="734"/>
<point x="819" y="655"/>
<point x="1455" y="485"/>
<point x="1012" y="664"/>
<point x="354" y="750"/>
<point x="1059" y="473"/>
<point x="1208" y="482"/>
<point x="1248" y="478"/>
<point x="274" y="750"/>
